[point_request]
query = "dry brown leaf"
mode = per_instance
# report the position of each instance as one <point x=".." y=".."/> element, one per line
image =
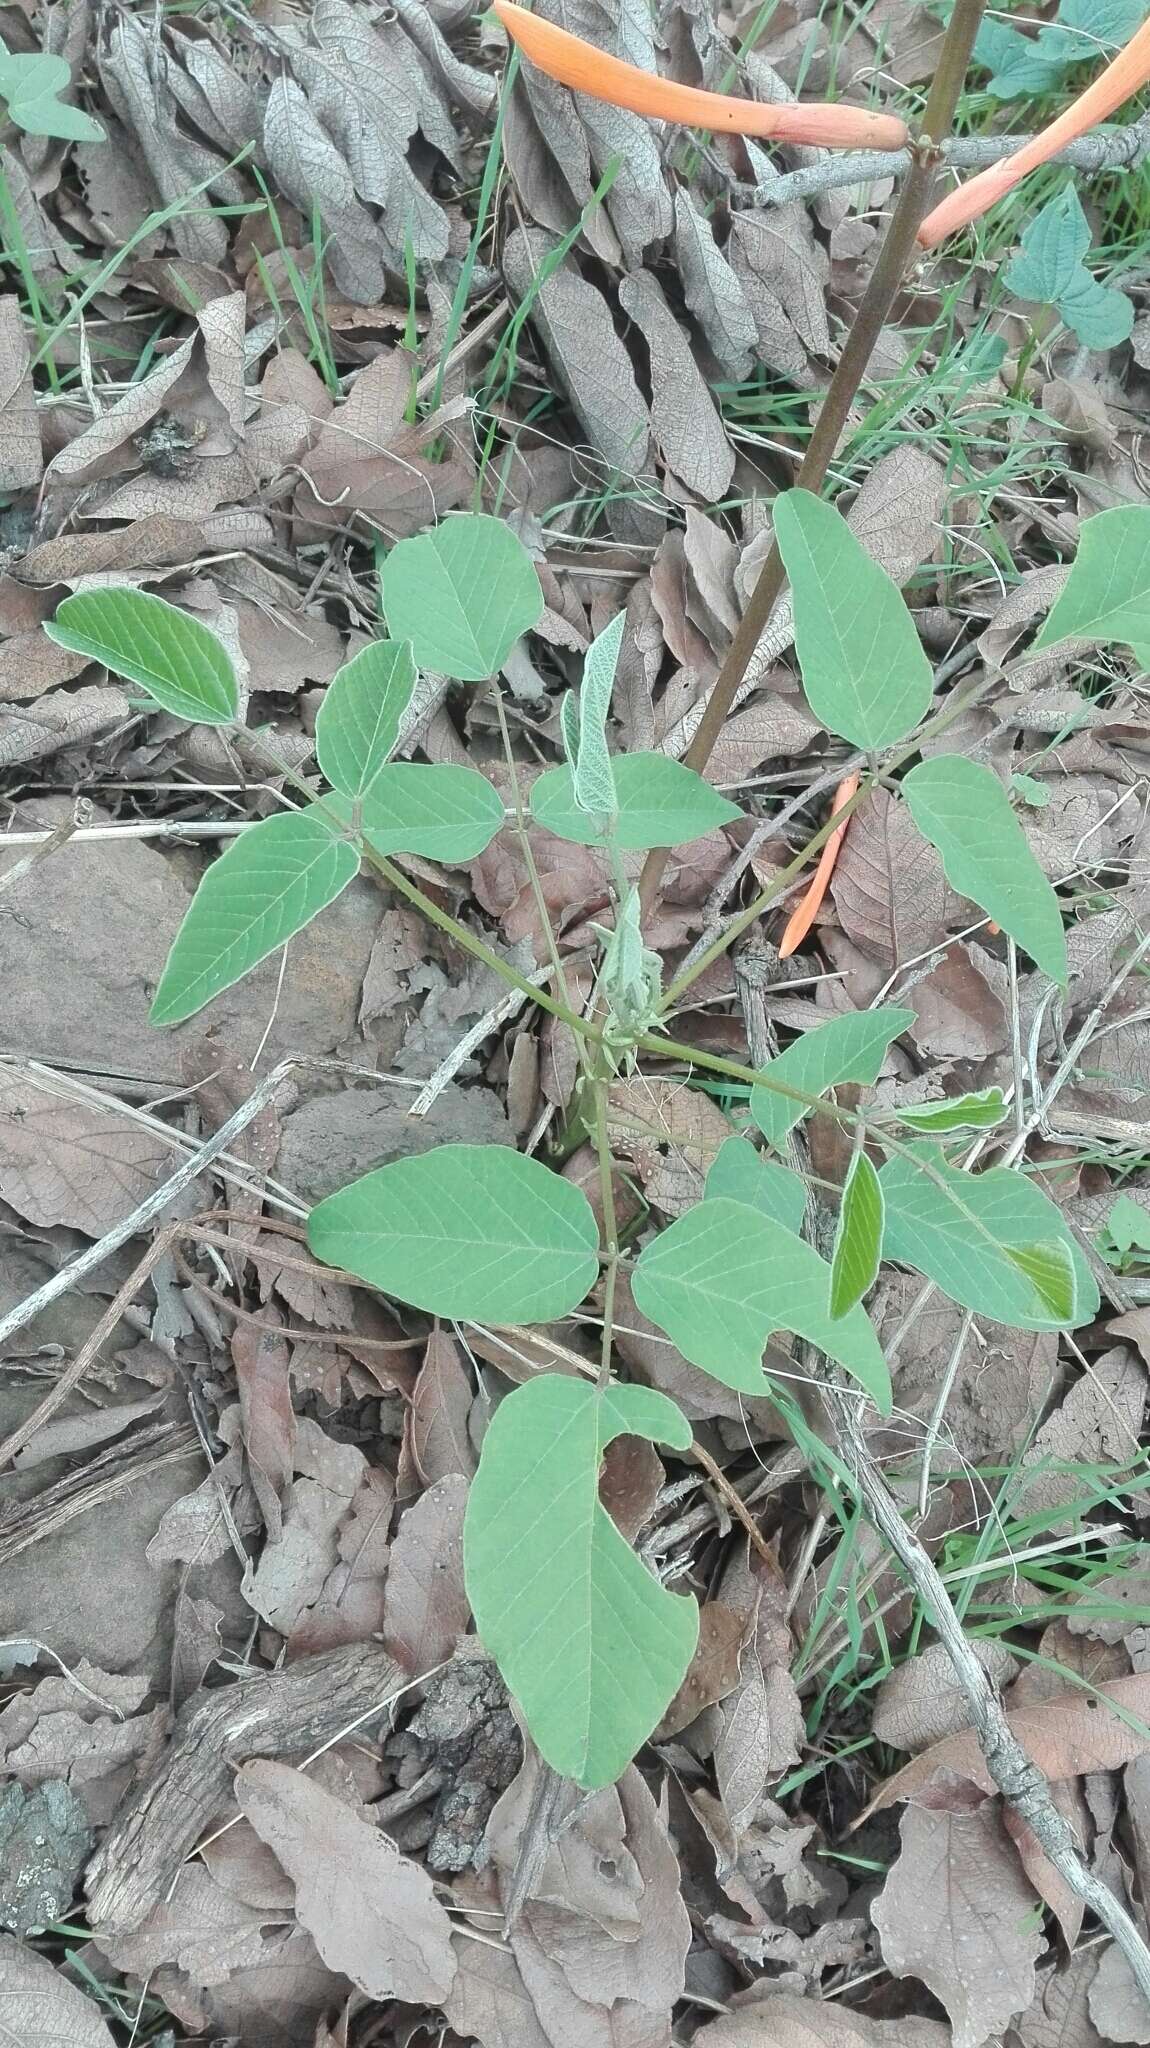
<point x="83" y="1431"/>
<point x="426" y="1608"/>
<point x="574" y="322"/>
<point x="40" y="2008"/>
<point x="350" y="1603"/>
<point x="712" y="290"/>
<point x="308" y="167"/>
<point x="1116" y="2005"/>
<point x="203" y="1930"/>
<point x="21" y="460"/>
<point x="372" y="1913"/>
<point x="1098" y="1423"/>
<point x="267" y="1421"/>
<point x="670" y="1134"/>
<point x="31" y="663"/>
<point x="1065" y="1736"/>
<point x="440" y="1409"/>
<point x="1059" y="2016"/>
<point x="62" y="718"/>
<point x="489" y="2002"/>
<point x="784" y="274"/>
<point x="713" y="1672"/>
<point x="888" y="886"/>
<point x="779" y="2020"/>
<point x="67" y="1161"/>
<point x="684" y="418"/>
<point x="292" y="1572"/>
<point x="956" y="1912"/>
<point x="921" y="1701"/>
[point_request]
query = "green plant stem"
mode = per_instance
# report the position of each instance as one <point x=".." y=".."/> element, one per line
<point x="894" y="257"/>
<point x="610" y="1231"/>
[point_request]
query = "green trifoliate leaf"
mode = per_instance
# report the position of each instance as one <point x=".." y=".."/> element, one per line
<point x="658" y="801"/>
<point x="438" y="809"/>
<point x="1106" y="598"/>
<point x="1049" y="269"/>
<point x="742" y="1174"/>
<point x="858" y="1240"/>
<point x="963" y="809"/>
<point x="168" y="653"/>
<point x="590" y="1644"/>
<point x="466" y="1230"/>
<point x="721" y="1278"/>
<point x="359" y="719"/>
<point x="981" y="1112"/>
<point x="850" y="1048"/>
<point x="593" y="780"/>
<point x="462" y="594"/>
<point x="864" y="670"/>
<point x="271" y="882"/>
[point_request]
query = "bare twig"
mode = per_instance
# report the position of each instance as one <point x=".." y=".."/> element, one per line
<point x="1109" y="150"/>
<point x="1020" y="1781"/>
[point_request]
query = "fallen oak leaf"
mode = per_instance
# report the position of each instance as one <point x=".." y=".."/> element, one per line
<point x="585" y="68"/>
<point x="801" y="919"/>
<point x="1065" y="1737"/>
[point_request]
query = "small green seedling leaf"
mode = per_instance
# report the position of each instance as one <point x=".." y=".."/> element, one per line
<point x="983" y="1111"/>
<point x="659" y="803"/>
<point x="858" y="1240"/>
<point x="1106" y="597"/>
<point x="593" y="779"/>
<point x="462" y="594"/>
<point x="29" y="85"/>
<point x="849" y="1048"/>
<point x="964" y="811"/>
<point x="721" y="1278"/>
<point x="590" y="1644"/>
<point x="743" y="1175"/>
<point x="964" y="1231"/>
<point x="1128" y="1226"/>
<point x="1036" y="794"/>
<point x="169" y="654"/>
<point x="466" y="1230"/>
<point x="360" y="717"/>
<point x="271" y="882"/>
<point x="1085" y="31"/>
<point x="1049" y="269"/>
<point x="438" y="809"/>
<point x="864" y="670"/>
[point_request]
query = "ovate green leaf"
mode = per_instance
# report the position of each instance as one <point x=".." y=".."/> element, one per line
<point x="742" y="1174"/>
<point x="864" y="670"/>
<point x="858" y="1240"/>
<point x="1049" y="268"/>
<point x="438" y="809"/>
<point x="359" y="719"/>
<point x="30" y="84"/>
<point x="850" y="1048"/>
<point x="590" y="1644"/>
<point x="1106" y="597"/>
<point x="462" y="594"/>
<point x="659" y="803"/>
<point x="981" y="1112"/>
<point x="962" y="808"/>
<point x="964" y="1231"/>
<point x="466" y="1230"/>
<point x="593" y="781"/>
<point x="167" y="652"/>
<point x="272" y="881"/>
<point x="722" y="1277"/>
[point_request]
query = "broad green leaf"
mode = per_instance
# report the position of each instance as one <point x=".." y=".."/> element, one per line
<point x="858" y="1239"/>
<point x="167" y="652"/>
<point x="590" y="1644"/>
<point x="466" y="1230"/>
<point x="1106" y="597"/>
<point x="438" y="809"/>
<point x="271" y="881"/>
<point x="593" y="781"/>
<point x="359" y="719"/>
<point x="959" y="1234"/>
<point x="1128" y="1226"/>
<point x="963" y="809"/>
<point x="864" y="670"/>
<point x="1049" y="269"/>
<point x="1085" y="32"/>
<point x="462" y="594"/>
<point x="29" y="85"/>
<point x="981" y="1112"/>
<point x="721" y="1278"/>
<point x="741" y="1173"/>
<point x="660" y="803"/>
<point x="850" y="1048"/>
<point x="1051" y="1271"/>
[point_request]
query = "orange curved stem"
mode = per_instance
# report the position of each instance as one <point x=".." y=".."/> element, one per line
<point x="803" y="918"/>
<point x="1128" y="73"/>
<point x="586" y="68"/>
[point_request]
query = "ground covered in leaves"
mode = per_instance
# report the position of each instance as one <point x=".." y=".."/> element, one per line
<point x="297" y="305"/>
